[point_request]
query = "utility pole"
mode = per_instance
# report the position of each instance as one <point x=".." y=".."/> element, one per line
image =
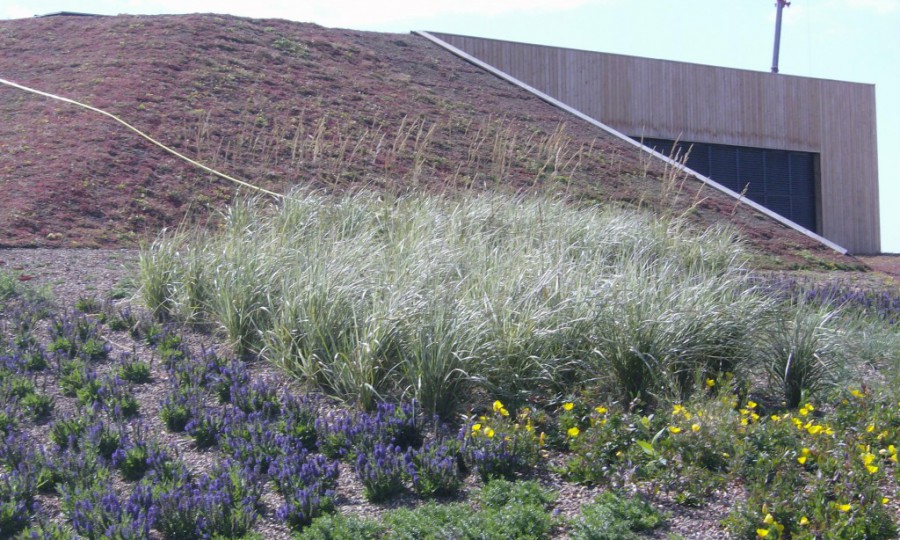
<point x="781" y="5"/>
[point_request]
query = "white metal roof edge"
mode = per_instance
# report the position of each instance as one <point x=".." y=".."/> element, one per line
<point x="553" y="101"/>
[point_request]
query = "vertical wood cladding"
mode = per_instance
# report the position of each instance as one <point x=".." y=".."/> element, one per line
<point x="660" y="99"/>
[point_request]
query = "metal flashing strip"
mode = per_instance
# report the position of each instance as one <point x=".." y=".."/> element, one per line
<point x="557" y="103"/>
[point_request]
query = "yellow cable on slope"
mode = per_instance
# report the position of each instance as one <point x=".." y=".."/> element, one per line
<point x="144" y="135"/>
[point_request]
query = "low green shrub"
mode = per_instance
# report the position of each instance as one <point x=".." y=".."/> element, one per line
<point x="341" y="527"/>
<point x="612" y="516"/>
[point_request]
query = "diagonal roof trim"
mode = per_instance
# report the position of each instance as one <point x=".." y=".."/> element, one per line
<point x="555" y="102"/>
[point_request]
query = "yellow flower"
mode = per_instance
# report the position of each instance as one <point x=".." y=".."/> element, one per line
<point x="498" y="405"/>
<point x="762" y="532"/>
<point x="803" y="412"/>
<point x="804" y="521"/>
<point x="568" y="406"/>
<point x="710" y="383"/>
<point x="885" y="500"/>
<point x="695" y="428"/>
<point x="541" y="439"/>
<point x="856" y="393"/>
<point x="814" y="430"/>
<point x="870" y="428"/>
<point x="843" y="507"/>
<point x="775" y="418"/>
<point x="872" y="469"/>
<point x="804" y="451"/>
<point x="768" y="520"/>
<point x="754" y="417"/>
<point x="677" y="409"/>
<point x="801" y="460"/>
<point x="573" y="431"/>
<point x="489" y="432"/>
<point x="674" y="429"/>
<point x="503" y="411"/>
<point x="476" y="428"/>
<point x="751" y="404"/>
<point x="868" y="458"/>
<point x="600" y="410"/>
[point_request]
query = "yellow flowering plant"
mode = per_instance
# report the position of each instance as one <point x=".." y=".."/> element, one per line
<point x="500" y="444"/>
<point x="602" y="442"/>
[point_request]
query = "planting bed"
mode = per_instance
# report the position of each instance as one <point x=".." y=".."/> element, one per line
<point x="70" y="275"/>
<point x="685" y="463"/>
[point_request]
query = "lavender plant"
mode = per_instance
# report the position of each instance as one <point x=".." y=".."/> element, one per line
<point x="293" y="472"/>
<point x="133" y="370"/>
<point x="382" y="471"/>
<point x="224" y="503"/>
<point x="227" y="376"/>
<point x="259" y="396"/>
<point x="347" y="434"/>
<point x="307" y="483"/>
<point x="97" y="513"/>
<point x="298" y="422"/>
<point x="17" y="498"/>
<point x="178" y="408"/>
<point x="435" y="471"/>
<point x="206" y="428"/>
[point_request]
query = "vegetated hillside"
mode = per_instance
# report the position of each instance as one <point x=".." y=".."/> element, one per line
<point x="282" y="103"/>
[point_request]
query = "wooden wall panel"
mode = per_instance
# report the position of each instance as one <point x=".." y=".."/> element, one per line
<point x="675" y="100"/>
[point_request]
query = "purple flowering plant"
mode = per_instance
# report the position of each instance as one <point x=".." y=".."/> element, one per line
<point x="382" y="471"/>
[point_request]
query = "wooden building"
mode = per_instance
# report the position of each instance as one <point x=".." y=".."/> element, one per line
<point x="804" y="148"/>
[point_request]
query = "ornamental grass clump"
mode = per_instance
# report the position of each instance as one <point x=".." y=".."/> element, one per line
<point x="373" y="297"/>
<point x="801" y="353"/>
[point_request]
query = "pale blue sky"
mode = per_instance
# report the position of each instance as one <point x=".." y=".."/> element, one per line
<point x="852" y="40"/>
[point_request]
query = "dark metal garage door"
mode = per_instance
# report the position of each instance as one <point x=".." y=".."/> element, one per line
<point x="781" y="180"/>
